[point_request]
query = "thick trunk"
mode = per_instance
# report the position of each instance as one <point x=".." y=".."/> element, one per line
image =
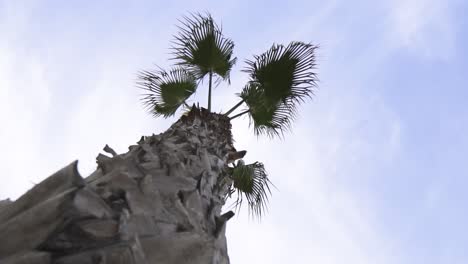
<point x="158" y="203"/>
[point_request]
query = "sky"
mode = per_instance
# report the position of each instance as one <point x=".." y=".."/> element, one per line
<point x="374" y="170"/>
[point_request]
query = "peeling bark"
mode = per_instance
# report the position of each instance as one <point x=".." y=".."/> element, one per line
<point x="158" y="203"/>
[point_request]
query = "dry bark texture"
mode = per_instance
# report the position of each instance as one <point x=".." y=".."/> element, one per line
<point x="158" y="203"/>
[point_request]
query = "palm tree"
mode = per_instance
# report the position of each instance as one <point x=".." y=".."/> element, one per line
<point x="161" y="202"/>
<point x="280" y="79"/>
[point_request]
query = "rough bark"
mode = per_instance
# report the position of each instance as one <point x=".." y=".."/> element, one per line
<point x="158" y="203"/>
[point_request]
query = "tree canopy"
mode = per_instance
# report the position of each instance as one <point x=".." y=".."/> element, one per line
<point x="280" y="79"/>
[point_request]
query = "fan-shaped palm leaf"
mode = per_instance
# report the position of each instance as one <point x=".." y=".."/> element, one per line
<point x="280" y="79"/>
<point x="267" y="118"/>
<point x="201" y="47"/>
<point x="251" y="182"/>
<point x="166" y="91"/>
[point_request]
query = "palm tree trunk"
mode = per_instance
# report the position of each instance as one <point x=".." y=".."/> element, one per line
<point x="158" y="203"/>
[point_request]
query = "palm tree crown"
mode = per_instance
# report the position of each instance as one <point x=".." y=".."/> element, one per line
<point x="279" y="80"/>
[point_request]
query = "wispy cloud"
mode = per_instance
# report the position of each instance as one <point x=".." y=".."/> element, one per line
<point x="425" y="27"/>
<point x="24" y="106"/>
<point x="322" y="209"/>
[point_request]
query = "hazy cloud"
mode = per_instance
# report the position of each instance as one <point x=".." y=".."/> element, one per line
<point x="425" y="27"/>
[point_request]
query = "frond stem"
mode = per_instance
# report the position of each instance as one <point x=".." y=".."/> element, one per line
<point x="209" y="91"/>
<point x="240" y="114"/>
<point x="234" y="107"/>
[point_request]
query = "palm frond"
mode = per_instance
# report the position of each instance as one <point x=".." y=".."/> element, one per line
<point x="280" y="79"/>
<point x="166" y="91"/>
<point x="251" y="183"/>
<point x="285" y="72"/>
<point x="267" y="118"/>
<point x="201" y="47"/>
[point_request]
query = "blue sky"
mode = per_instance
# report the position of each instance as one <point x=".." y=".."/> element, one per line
<point x="374" y="171"/>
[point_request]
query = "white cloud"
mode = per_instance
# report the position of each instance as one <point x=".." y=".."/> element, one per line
<point x="424" y="26"/>
<point x="56" y="107"/>
<point x="321" y="213"/>
<point x="24" y="105"/>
